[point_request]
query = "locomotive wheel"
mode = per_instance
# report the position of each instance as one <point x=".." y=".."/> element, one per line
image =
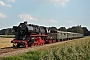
<point x="29" y="44"/>
<point x="54" y="41"/>
<point x="50" y="41"/>
<point x="18" y="45"/>
<point x="42" y="43"/>
<point x="57" y="40"/>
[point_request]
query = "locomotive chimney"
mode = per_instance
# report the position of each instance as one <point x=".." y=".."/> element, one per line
<point x="25" y="22"/>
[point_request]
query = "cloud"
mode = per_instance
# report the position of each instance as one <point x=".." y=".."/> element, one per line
<point x="2" y="15"/>
<point x="70" y="22"/>
<point x="11" y="0"/>
<point x="54" y="2"/>
<point x="50" y="21"/>
<point x="3" y="4"/>
<point x="26" y="17"/>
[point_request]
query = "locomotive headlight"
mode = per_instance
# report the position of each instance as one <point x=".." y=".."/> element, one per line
<point x="20" y="26"/>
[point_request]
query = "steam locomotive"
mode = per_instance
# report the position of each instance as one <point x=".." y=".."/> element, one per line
<point x="27" y="35"/>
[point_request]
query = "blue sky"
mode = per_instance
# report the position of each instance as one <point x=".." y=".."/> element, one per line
<point x="58" y="13"/>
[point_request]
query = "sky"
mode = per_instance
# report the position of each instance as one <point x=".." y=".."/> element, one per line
<point x="58" y="13"/>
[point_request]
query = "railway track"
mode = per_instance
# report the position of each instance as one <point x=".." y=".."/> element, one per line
<point x="18" y="51"/>
<point x="9" y="49"/>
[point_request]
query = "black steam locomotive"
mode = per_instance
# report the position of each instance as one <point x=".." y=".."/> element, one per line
<point x="28" y="33"/>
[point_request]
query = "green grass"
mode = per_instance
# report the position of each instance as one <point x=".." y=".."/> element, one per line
<point x="78" y="49"/>
<point x="31" y="55"/>
<point x="7" y="36"/>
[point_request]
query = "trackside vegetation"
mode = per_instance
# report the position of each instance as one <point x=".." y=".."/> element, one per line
<point x="7" y="36"/>
<point x="78" y="49"/>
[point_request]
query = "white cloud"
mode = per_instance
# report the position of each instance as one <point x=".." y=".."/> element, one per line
<point x="2" y="15"/>
<point x="63" y="4"/>
<point x="11" y="0"/>
<point x="54" y="2"/>
<point x="53" y="21"/>
<point x="50" y="21"/>
<point x="26" y="17"/>
<point x="70" y="22"/>
<point x="3" y="4"/>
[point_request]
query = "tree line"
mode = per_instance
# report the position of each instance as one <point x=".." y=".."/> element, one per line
<point x="75" y="29"/>
<point x="7" y="31"/>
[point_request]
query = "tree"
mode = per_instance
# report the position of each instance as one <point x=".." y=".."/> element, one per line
<point x="2" y="32"/>
<point x="76" y="29"/>
<point x="7" y="31"/>
<point x="86" y="32"/>
<point x="62" y="29"/>
<point x="69" y="30"/>
<point x="53" y="28"/>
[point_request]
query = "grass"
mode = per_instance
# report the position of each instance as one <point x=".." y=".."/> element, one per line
<point x="32" y="55"/>
<point x="5" y="42"/>
<point x="78" y="49"/>
<point x="7" y="36"/>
